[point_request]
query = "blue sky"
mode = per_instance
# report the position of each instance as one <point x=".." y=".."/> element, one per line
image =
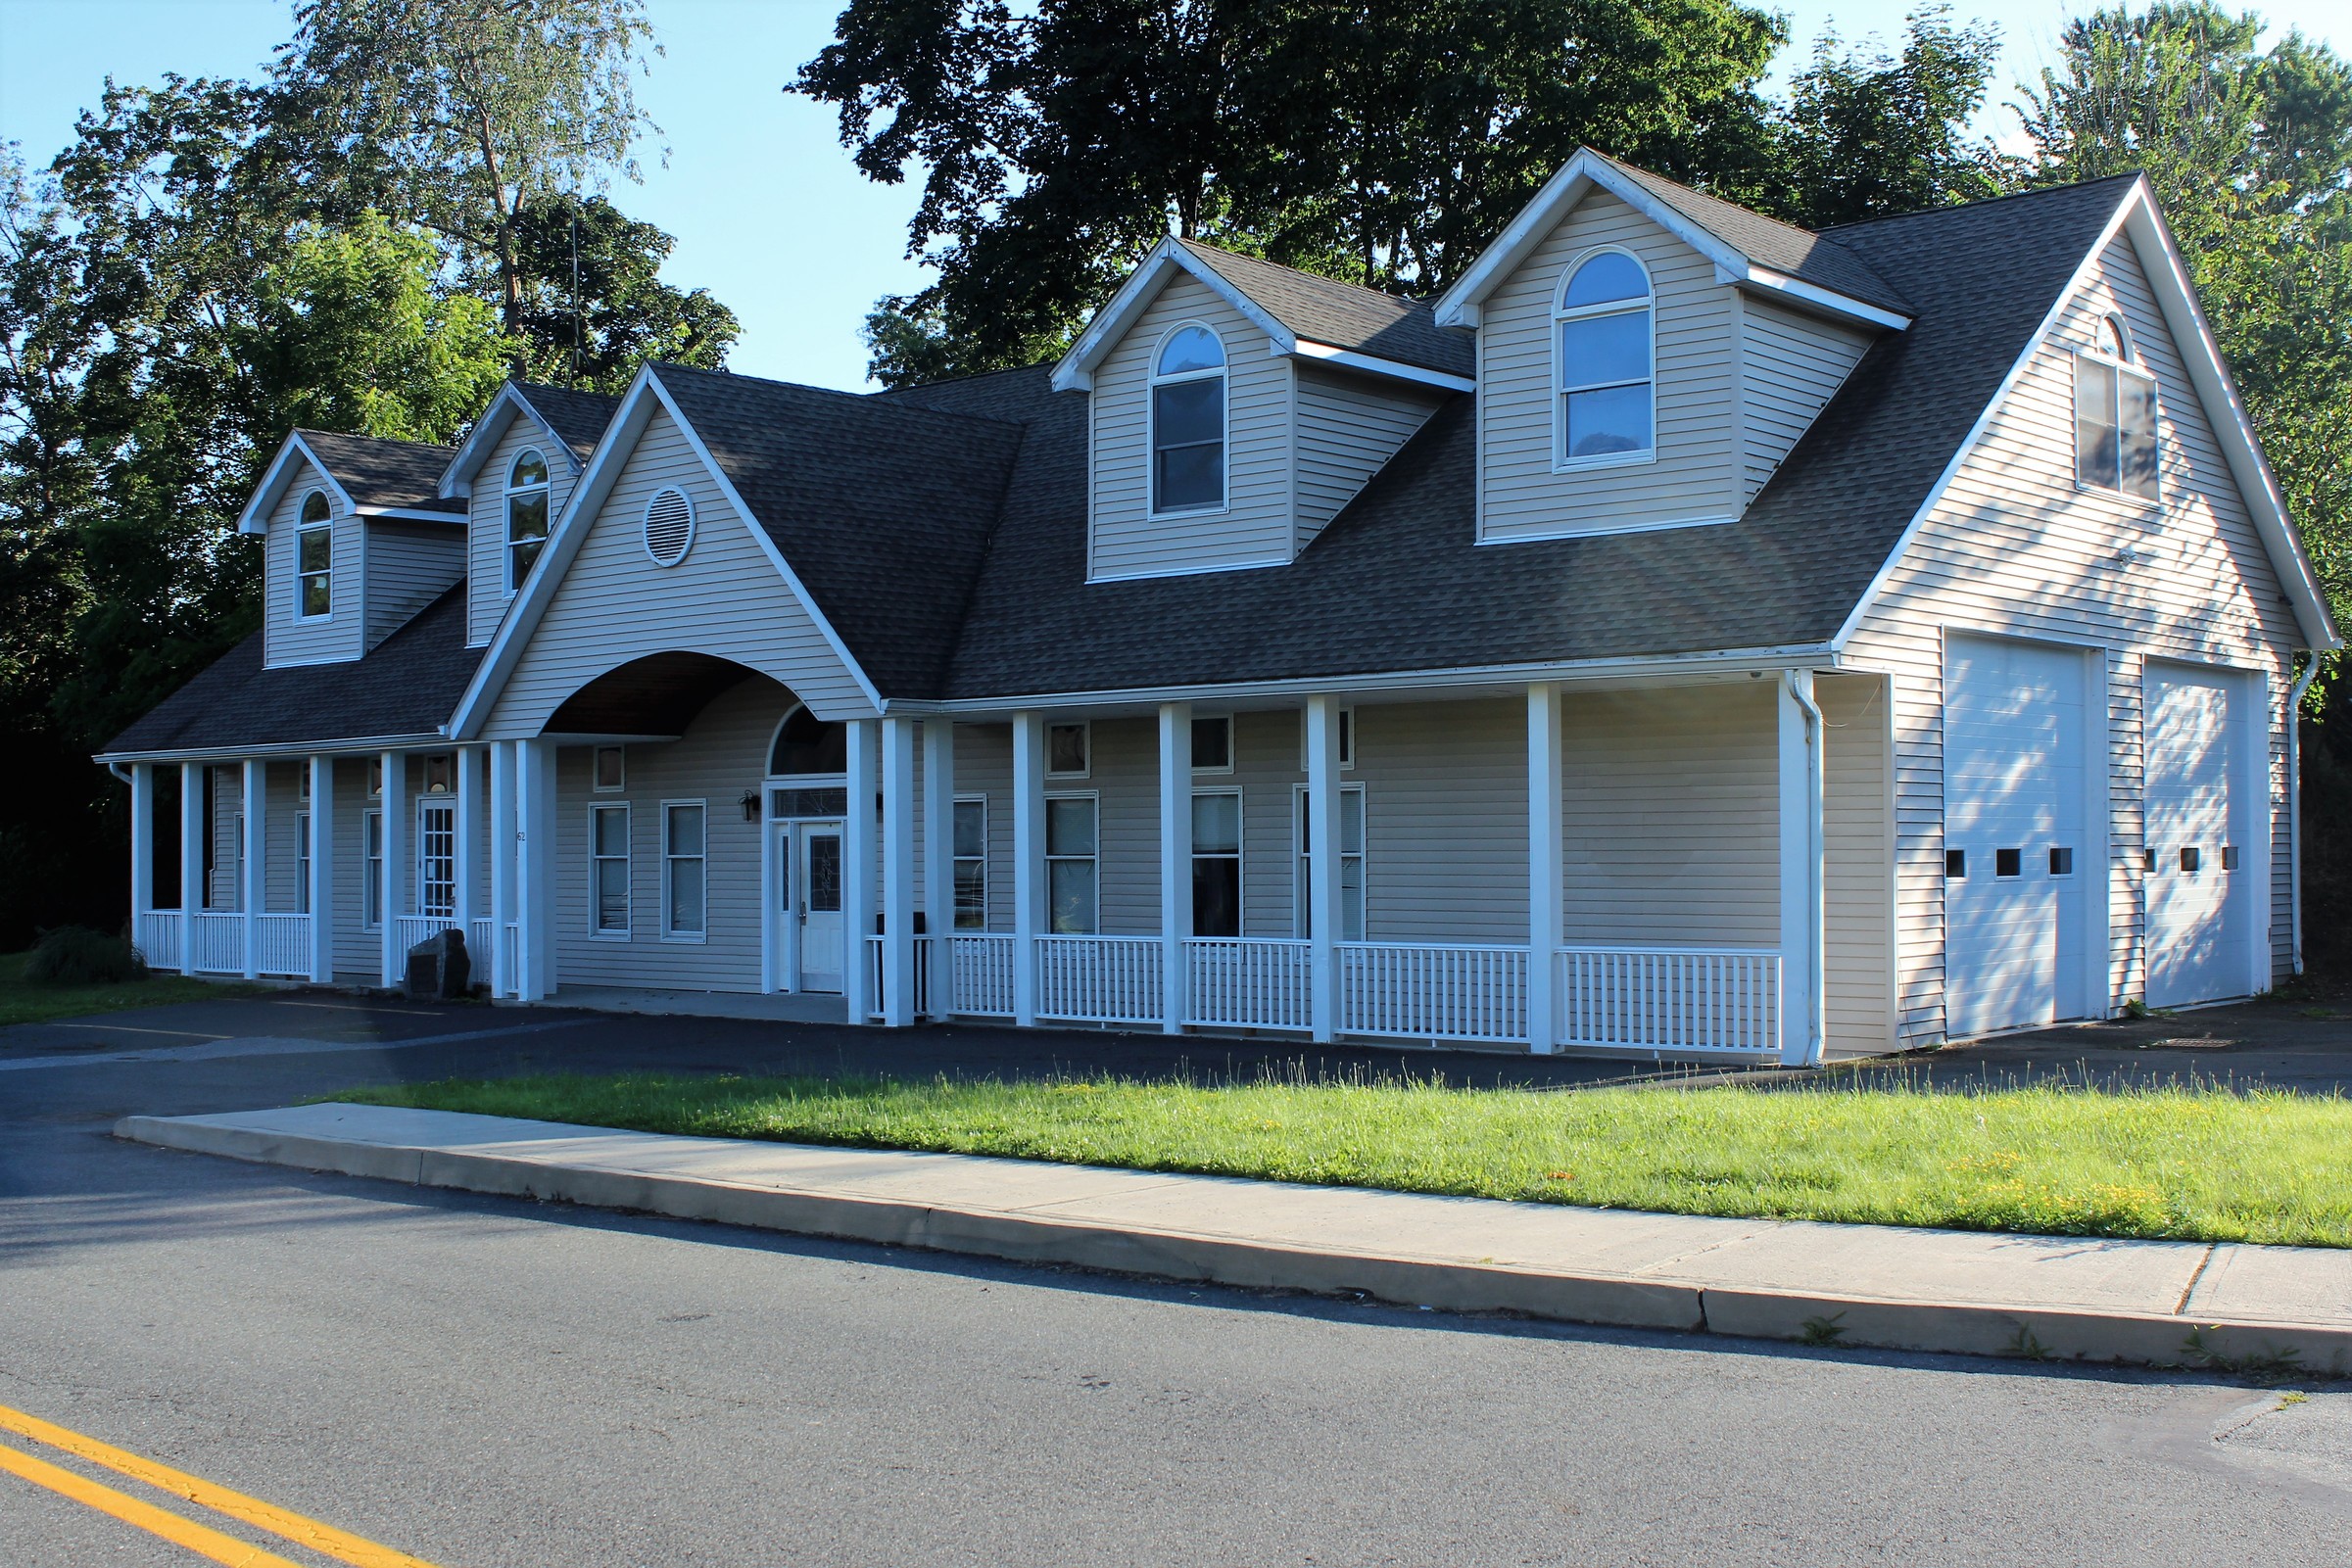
<point x="768" y="211"/>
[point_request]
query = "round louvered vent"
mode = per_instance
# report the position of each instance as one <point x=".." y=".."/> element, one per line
<point x="669" y="527"/>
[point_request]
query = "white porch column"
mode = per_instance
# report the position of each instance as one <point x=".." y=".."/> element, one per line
<point x="256" y="859"/>
<point x="503" y="844"/>
<point x="1029" y="860"/>
<point x="467" y="861"/>
<point x="1323" y="862"/>
<point x="194" y="823"/>
<point x="859" y="866"/>
<point x="1546" y="893"/>
<point x="395" y="863"/>
<point x="1801" y="912"/>
<point x="322" y="869"/>
<point x="535" y="867"/>
<point x="939" y="861"/>
<point x="1175" y="858"/>
<point x="899" y="872"/>
<point x="142" y="844"/>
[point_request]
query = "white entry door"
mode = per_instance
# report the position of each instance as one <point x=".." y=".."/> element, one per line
<point x="2194" y="867"/>
<point x="813" y="872"/>
<point x="2016" y="850"/>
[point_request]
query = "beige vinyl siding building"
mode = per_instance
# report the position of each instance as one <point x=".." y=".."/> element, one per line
<point x="408" y="566"/>
<point x="287" y="636"/>
<point x="486" y="590"/>
<point x="1791" y="364"/>
<point x="1347" y="427"/>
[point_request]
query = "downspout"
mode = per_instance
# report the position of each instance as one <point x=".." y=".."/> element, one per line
<point x="1816" y="1002"/>
<point x="2295" y="804"/>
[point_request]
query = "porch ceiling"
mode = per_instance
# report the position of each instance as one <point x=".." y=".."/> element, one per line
<point x="658" y="695"/>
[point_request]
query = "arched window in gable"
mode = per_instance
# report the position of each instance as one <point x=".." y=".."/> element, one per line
<point x="1603" y="357"/>
<point x="527" y="501"/>
<point x="1188" y="421"/>
<point x="2116" y="444"/>
<point x="315" y="558"/>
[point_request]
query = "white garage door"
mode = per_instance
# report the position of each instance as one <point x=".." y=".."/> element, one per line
<point x="2198" y="879"/>
<point x="2016" y="853"/>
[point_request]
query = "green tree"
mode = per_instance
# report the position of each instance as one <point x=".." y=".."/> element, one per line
<point x="594" y="334"/>
<point x="1867" y="134"/>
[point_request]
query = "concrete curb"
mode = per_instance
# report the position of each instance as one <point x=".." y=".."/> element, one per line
<point x="2032" y="1334"/>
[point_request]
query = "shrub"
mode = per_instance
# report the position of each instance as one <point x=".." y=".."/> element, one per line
<point x="76" y="955"/>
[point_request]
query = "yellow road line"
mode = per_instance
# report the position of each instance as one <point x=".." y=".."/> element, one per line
<point x="339" y="1544"/>
<point x="147" y="1517"/>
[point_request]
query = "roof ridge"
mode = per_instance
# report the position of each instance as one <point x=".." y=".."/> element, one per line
<point x="861" y="399"/>
<point x="384" y="441"/>
<point x="1836" y="229"/>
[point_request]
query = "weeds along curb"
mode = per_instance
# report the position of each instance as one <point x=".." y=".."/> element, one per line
<point x="1824" y="1320"/>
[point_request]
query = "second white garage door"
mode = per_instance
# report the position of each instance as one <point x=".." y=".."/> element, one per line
<point x="2017" y="852"/>
<point x="2198" y="875"/>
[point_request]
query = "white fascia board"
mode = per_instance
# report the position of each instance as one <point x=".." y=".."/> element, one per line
<point x="563" y="543"/>
<point x="1825" y="301"/>
<point x="283" y="752"/>
<point x="1805" y="656"/>
<point x="413" y="514"/>
<point x="2217" y="389"/>
<point x="255" y="518"/>
<point x="1076" y="372"/>
<point x="1373" y="365"/>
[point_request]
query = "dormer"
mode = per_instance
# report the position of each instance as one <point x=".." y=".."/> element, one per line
<point x="1649" y="354"/>
<point x="513" y="476"/>
<point x="1237" y="404"/>
<point x="356" y="541"/>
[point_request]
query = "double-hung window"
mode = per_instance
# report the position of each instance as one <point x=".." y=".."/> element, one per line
<point x="526" y="516"/>
<point x="609" y="869"/>
<point x="972" y="864"/>
<point x="1601" y="346"/>
<point x="1189" y="422"/>
<point x="1217" y="863"/>
<point x="683" y="869"/>
<point x="1071" y="866"/>
<point x="2115" y="416"/>
<point x="1351" y="867"/>
<point x="371" y="895"/>
<point x="315" y="560"/>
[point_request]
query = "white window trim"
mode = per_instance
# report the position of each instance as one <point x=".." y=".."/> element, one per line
<point x="628" y="859"/>
<point x="2132" y="365"/>
<point x="1084" y="725"/>
<point x="644" y="525"/>
<point x="371" y="910"/>
<point x="1095" y="858"/>
<point x="1347" y="741"/>
<point x="1152" y="381"/>
<point x="595" y="787"/>
<point x="981" y="801"/>
<point x="326" y="526"/>
<point x="428" y="803"/>
<point x="506" y="500"/>
<point x="668" y="860"/>
<point x="1240" y="857"/>
<point x="1299" y="910"/>
<point x="1562" y="462"/>
<point x="1232" y="757"/>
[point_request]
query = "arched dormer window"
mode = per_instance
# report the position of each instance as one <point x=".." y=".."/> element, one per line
<point x="315" y="558"/>
<point x="526" y="515"/>
<point x="1603" y="357"/>
<point x="806" y="745"/>
<point x="2115" y="415"/>
<point x="1188" y="421"/>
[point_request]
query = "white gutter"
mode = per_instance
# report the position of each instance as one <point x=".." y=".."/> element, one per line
<point x="1816" y="1002"/>
<point x="2295" y="804"/>
<point x="286" y="751"/>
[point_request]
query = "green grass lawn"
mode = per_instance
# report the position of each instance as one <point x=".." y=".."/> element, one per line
<point x="2187" y="1164"/>
<point x="22" y="1002"/>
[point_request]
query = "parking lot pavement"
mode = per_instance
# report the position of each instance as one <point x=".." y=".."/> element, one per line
<point x="2304" y="1047"/>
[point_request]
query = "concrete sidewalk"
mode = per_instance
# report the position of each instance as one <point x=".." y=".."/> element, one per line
<point x="2035" y="1297"/>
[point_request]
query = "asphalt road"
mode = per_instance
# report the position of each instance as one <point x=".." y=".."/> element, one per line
<point x="484" y="1382"/>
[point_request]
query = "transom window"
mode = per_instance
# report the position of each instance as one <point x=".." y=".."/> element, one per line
<point x="2115" y="415"/>
<point x="806" y="744"/>
<point x="1603" y="347"/>
<point x="1188" y="421"/>
<point x="526" y="515"/>
<point x="315" y="560"/>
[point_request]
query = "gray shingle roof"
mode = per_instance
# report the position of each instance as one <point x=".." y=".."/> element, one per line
<point x="1799" y="253"/>
<point x="408" y="686"/>
<point x="377" y="472"/>
<point x="1344" y="315"/>
<point x="578" y="419"/>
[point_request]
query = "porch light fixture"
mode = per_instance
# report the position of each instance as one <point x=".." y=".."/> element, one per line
<point x="750" y="805"/>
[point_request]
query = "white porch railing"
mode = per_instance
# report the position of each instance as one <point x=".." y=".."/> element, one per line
<point x="874" y="966"/>
<point x="411" y="929"/>
<point x="981" y="969"/>
<point x="1249" y="982"/>
<point x="156" y="939"/>
<point x="284" y="941"/>
<point x="1706" y="999"/>
<point x="1100" y="979"/>
<point x="217" y="939"/>
<point x="477" y="947"/>
<point x="1433" y="991"/>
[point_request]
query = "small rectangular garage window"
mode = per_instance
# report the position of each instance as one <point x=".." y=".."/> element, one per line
<point x="1956" y="864"/>
<point x="2062" y="862"/>
<point x="2229" y="857"/>
<point x="2191" y="857"/>
<point x="2008" y="862"/>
